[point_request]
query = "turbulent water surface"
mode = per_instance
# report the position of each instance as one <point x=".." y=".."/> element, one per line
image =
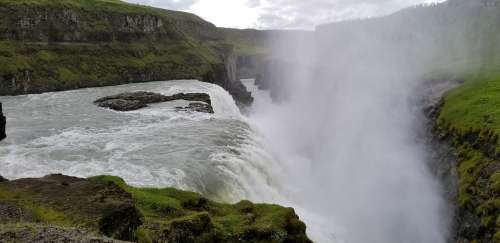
<point x="64" y="132"/>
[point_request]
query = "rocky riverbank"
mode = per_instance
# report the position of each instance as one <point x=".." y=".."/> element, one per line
<point x="105" y="209"/>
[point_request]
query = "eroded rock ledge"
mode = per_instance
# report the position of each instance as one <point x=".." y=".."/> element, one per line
<point x="58" y="207"/>
<point x="137" y="100"/>
<point x="476" y="162"/>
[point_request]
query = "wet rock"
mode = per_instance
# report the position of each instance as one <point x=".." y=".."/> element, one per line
<point x="122" y="105"/>
<point x="138" y="100"/>
<point x="57" y="199"/>
<point x="197" y="107"/>
<point x="2" y="124"/>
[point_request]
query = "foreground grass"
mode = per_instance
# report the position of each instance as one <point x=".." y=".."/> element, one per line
<point x="106" y="205"/>
<point x="169" y="208"/>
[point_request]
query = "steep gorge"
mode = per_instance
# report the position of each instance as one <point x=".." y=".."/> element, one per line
<point x="48" y="46"/>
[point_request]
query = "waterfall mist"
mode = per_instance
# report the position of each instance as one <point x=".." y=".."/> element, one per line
<point x="346" y="127"/>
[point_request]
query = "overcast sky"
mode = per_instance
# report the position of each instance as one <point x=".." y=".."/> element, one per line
<point x="282" y="14"/>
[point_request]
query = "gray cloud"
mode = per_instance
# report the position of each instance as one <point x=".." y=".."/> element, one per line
<point x="302" y="14"/>
<point x="307" y="14"/>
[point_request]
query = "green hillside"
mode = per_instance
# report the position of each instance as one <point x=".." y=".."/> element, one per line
<point x="59" y="45"/>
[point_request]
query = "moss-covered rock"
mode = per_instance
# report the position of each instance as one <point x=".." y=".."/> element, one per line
<point x="106" y="205"/>
<point x="70" y="201"/>
<point x="178" y="216"/>
<point x="469" y="120"/>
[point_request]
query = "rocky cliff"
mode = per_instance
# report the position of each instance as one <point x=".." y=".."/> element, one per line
<point x="58" y="208"/>
<point x="467" y="120"/>
<point x="50" y="46"/>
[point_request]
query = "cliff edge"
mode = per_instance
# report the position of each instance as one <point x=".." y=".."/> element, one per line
<point x="69" y="44"/>
<point x="59" y="208"/>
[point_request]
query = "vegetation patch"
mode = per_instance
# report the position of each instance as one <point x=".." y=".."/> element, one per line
<point x="470" y="120"/>
<point x="180" y="216"/>
<point x="106" y="205"/>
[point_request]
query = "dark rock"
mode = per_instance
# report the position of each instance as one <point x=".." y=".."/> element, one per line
<point x="10" y="213"/>
<point x="226" y="76"/>
<point x="122" y="105"/>
<point x="198" y="228"/>
<point x="138" y="100"/>
<point x="240" y="94"/>
<point x="96" y="206"/>
<point x="197" y="107"/>
<point x="2" y="124"/>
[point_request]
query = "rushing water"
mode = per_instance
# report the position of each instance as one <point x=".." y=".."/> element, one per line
<point x="219" y="155"/>
<point x="223" y="155"/>
<point x="64" y="132"/>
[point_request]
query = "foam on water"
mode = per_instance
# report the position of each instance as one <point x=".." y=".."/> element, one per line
<point x="64" y="132"/>
<point x="220" y="155"/>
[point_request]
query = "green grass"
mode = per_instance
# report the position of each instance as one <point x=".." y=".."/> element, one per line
<point x="471" y="116"/>
<point x="40" y="213"/>
<point x="169" y="206"/>
<point x="62" y="67"/>
<point x="116" y="6"/>
<point x="475" y="104"/>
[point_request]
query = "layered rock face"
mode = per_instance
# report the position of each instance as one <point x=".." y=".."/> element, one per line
<point x="2" y="124"/>
<point x="51" y="46"/>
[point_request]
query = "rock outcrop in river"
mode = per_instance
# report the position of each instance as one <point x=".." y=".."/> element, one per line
<point x="2" y="124"/>
<point x="138" y="100"/>
<point x="58" y="207"/>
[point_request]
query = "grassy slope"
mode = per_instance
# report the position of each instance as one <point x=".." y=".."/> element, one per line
<point x="167" y="212"/>
<point x="169" y="206"/>
<point x="69" y="65"/>
<point x="55" y="67"/>
<point x="104" y="5"/>
<point x="471" y="113"/>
